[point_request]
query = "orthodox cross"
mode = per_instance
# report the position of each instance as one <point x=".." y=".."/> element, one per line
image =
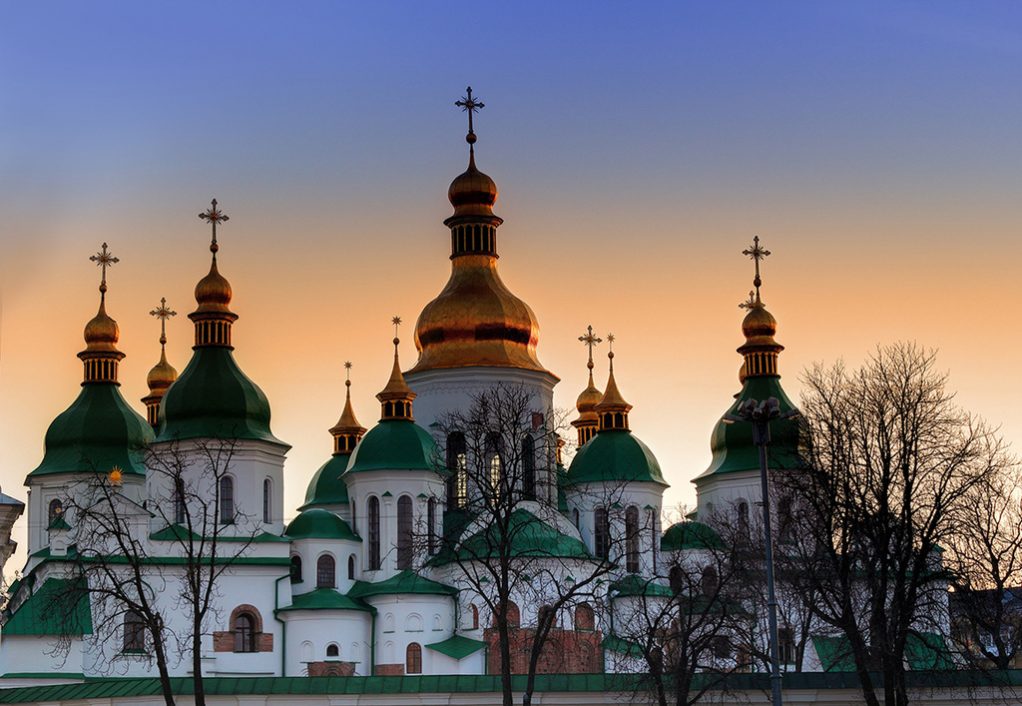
<point x="347" y="373"/>
<point x="470" y="105"/>
<point x="397" y="325"/>
<point x="749" y="303"/>
<point x="610" y="342"/>
<point x="590" y="339"/>
<point x="104" y="259"/>
<point x="756" y="253"/>
<point x="214" y="215"/>
<point x="163" y="313"/>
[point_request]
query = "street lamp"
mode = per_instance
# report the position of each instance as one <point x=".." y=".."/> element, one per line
<point x="760" y="414"/>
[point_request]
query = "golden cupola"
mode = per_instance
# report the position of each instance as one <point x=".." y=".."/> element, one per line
<point x="475" y="321"/>
<point x="760" y="350"/>
<point x="396" y="398"/>
<point x="101" y="357"/>
<point x="213" y="317"/>
<point x="588" y="422"/>
<point x="613" y="409"/>
<point x="347" y="432"/>
<point x="163" y="374"/>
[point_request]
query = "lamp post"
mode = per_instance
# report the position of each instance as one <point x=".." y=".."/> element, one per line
<point x="760" y="414"/>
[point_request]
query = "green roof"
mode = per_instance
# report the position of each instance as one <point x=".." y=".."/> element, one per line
<point x="615" y="455"/>
<point x="731" y="443"/>
<point x="835" y="653"/>
<point x="927" y="651"/>
<point x="690" y="535"/>
<point x="58" y="607"/>
<point x="214" y="399"/>
<point x="326" y="486"/>
<point x="622" y="646"/>
<point x="317" y="523"/>
<point x="530" y="537"/>
<point x="59" y="523"/>
<point x="457" y="646"/>
<point x="405" y="582"/>
<point x="176" y="533"/>
<point x="326" y="599"/>
<point x="394" y="445"/>
<point x="97" y="433"/>
<point x="634" y="585"/>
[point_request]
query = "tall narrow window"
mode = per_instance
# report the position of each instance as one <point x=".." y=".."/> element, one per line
<point x="493" y="455"/>
<point x="226" y="500"/>
<point x="413" y="659"/>
<point x="373" y="514"/>
<point x="56" y="509"/>
<point x="602" y="534"/>
<point x="529" y="468"/>
<point x="179" y="501"/>
<point x="351" y="567"/>
<point x="244" y="633"/>
<point x="632" y="540"/>
<point x="708" y="581"/>
<point x="654" y="529"/>
<point x="457" y="464"/>
<point x="296" y="569"/>
<point x="743" y="519"/>
<point x="134" y="632"/>
<point x="267" y="494"/>
<point x="326" y="572"/>
<point x="404" y="532"/>
<point x="431" y="525"/>
<point x="785" y="534"/>
<point x="786" y="645"/>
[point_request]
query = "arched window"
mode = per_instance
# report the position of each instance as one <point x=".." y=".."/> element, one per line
<point x="56" y="510"/>
<point x="134" y="632"/>
<point x="326" y="572"/>
<point x="786" y="645"/>
<point x="179" y="501"/>
<point x="632" y="540"/>
<point x="708" y="581"/>
<point x="267" y="494"/>
<point x="373" y="513"/>
<point x="226" y="500"/>
<point x="404" y="532"/>
<point x="457" y="463"/>
<point x="494" y="463"/>
<point x="743" y="519"/>
<point x="677" y="579"/>
<point x="296" y="569"/>
<point x="351" y="567"/>
<point x="785" y="534"/>
<point x="475" y="616"/>
<point x="529" y="468"/>
<point x="431" y="524"/>
<point x="602" y="538"/>
<point x="584" y="618"/>
<point x="413" y="659"/>
<point x="333" y="650"/>
<point x="244" y="632"/>
<point x="654" y="528"/>
<point x="514" y="616"/>
<point x="546" y="616"/>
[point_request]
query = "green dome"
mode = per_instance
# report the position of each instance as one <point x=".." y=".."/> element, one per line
<point x="690" y="535"/>
<point x="732" y="445"/>
<point x="614" y="455"/>
<point x="319" y="524"/>
<point x="326" y="486"/>
<point x="394" y="445"/>
<point x="213" y="399"/>
<point x="98" y="432"/>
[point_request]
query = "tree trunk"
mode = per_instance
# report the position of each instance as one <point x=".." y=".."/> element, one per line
<point x="161" y="665"/>
<point x="200" y="687"/>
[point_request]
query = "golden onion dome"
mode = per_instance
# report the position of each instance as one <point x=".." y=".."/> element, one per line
<point x="759" y="322"/>
<point x="588" y="399"/>
<point x="213" y="292"/>
<point x="102" y="332"/>
<point x="472" y="193"/>
<point x="162" y="376"/>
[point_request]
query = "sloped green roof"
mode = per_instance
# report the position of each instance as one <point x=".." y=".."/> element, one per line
<point x="731" y="444"/>
<point x="928" y="651"/>
<point x="176" y="533"/>
<point x="622" y="646"/>
<point x="59" y="523"/>
<point x="690" y="535"/>
<point x="58" y="607"/>
<point x="404" y="582"/>
<point x="530" y="537"/>
<point x="326" y="486"/>
<point x="394" y="445"/>
<point x="835" y="653"/>
<point x="326" y="599"/>
<point x="615" y="455"/>
<point x="214" y="399"/>
<point x="562" y="495"/>
<point x="317" y="523"/>
<point x="97" y="433"/>
<point x="457" y="646"/>
<point x="635" y="585"/>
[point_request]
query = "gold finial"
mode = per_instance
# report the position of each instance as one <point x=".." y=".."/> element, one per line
<point x="590" y="339"/>
<point x="347" y="373"/>
<point x="214" y="215"/>
<point x="163" y="313"/>
<point x="749" y="303"/>
<point x="104" y="259"/>
<point x="347" y="432"/>
<point x="610" y="353"/>
<point x="396" y="397"/>
<point x="612" y="409"/>
<point x="397" y="327"/>
<point x="116" y="476"/>
<point x="756" y="253"/>
<point x="469" y="105"/>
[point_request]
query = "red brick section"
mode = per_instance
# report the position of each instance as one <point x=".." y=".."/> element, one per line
<point x="224" y="641"/>
<point x="331" y="669"/>
<point x="565" y="652"/>
<point x="389" y="670"/>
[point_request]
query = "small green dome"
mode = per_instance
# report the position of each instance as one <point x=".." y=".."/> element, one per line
<point x="614" y="455"/>
<point x="394" y="445"/>
<point x="731" y="444"/>
<point x="318" y="523"/>
<point x="690" y="535"/>
<point x="97" y="433"/>
<point x="213" y="398"/>
<point x="326" y="486"/>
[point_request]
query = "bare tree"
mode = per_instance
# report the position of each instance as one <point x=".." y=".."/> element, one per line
<point x="891" y="464"/>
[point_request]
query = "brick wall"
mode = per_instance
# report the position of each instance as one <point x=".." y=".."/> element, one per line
<point x="332" y="669"/>
<point x="224" y="641"/>
<point x="390" y="670"/>
<point x="565" y="651"/>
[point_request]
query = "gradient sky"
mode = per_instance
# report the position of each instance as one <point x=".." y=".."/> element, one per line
<point x="875" y="147"/>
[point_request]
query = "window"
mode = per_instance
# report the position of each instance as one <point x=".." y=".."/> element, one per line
<point x="514" y="616"/>
<point x="576" y="517"/>
<point x="743" y="519"/>
<point x="333" y="651"/>
<point x="632" y="540"/>
<point x="413" y="659"/>
<point x="584" y="618"/>
<point x="475" y="616"/>
<point x="374" y="533"/>
<point x="404" y="532"/>
<point x="267" y="494"/>
<point x="602" y="538"/>
<point x="708" y="581"/>
<point x="226" y="500"/>
<point x="326" y="572"/>
<point x="351" y="567"/>
<point x="528" y="468"/>
<point x="654" y="528"/>
<point x="677" y="579"/>
<point x="431" y="525"/>
<point x="785" y="534"/>
<point x="546" y="616"/>
<point x="244" y="632"/>
<point x="786" y="645"/>
<point x="721" y="647"/>
<point x="493" y="455"/>
<point x="179" y="501"/>
<point x="56" y="509"/>
<point x="296" y="569"/>
<point x="457" y="463"/>
<point x="134" y="632"/>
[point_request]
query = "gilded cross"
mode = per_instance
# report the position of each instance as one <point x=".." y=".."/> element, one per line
<point x="756" y="253"/>
<point x="749" y="303"/>
<point x="610" y="342"/>
<point x="397" y="326"/>
<point x="162" y="312"/>
<point x="470" y="105"/>
<point x="347" y="373"/>
<point x="214" y="215"/>
<point x="104" y="259"/>
<point x="590" y="340"/>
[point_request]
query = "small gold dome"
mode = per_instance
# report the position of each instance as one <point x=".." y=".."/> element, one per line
<point x="213" y="292"/>
<point x="759" y="325"/>
<point x="161" y="376"/>
<point x="102" y="332"/>
<point x="588" y="399"/>
<point x="472" y="193"/>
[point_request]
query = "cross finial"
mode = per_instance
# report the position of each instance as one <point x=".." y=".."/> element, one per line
<point x="470" y="105"/>
<point x="162" y="312"/>
<point x="347" y="373"/>
<point x="749" y="303"/>
<point x="214" y="215"/>
<point x="104" y="259"/>
<point x="590" y="340"/>
<point x="756" y="253"/>
<point x="397" y="326"/>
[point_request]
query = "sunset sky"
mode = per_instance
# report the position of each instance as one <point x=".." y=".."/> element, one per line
<point x="874" y="147"/>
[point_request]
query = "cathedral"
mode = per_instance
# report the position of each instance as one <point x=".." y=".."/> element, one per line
<point x="347" y="589"/>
